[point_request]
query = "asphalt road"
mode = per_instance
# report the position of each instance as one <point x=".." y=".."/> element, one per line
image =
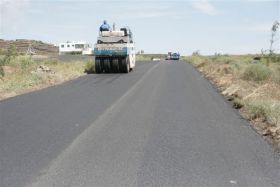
<point x="161" y="125"/>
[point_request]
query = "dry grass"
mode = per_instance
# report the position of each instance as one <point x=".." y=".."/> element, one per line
<point x="149" y="57"/>
<point x="142" y="58"/>
<point x="256" y="72"/>
<point x="90" y="67"/>
<point x="253" y="86"/>
<point x="22" y="75"/>
<point x="266" y="110"/>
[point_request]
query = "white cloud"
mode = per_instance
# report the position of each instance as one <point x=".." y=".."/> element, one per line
<point x="205" y="6"/>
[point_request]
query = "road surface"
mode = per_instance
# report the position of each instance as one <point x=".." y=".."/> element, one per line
<point x="161" y="125"/>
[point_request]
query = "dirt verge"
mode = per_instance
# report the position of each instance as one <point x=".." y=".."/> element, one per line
<point x="252" y="87"/>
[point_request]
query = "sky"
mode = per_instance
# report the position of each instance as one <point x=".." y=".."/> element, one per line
<point x="158" y="26"/>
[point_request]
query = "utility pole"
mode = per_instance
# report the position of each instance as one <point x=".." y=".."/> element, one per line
<point x="114" y="26"/>
<point x="273" y="33"/>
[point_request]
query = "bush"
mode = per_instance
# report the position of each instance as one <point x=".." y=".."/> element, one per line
<point x="257" y="109"/>
<point x="223" y="59"/>
<point x="2" y="51"/>
<point x="4" y="60"/>
<point x="2" y="73"/>
<point x="197" y="61"/>
<point x="12" y="51"/>
<point x="274" y="113"/>
<point x="276" y="75"/>
<point x="270" y="58"/>
<point x="89" y="67"/>
<point x="25" y="62"/>
<point x="267" y="110"/>
<point x="8" y="55"/>
<point x="256" y="72"/>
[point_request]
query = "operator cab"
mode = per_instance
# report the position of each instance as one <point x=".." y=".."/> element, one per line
<point x="127" y="32"/>
<point x="124" y="35"/>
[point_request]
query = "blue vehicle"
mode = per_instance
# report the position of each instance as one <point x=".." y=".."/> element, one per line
<point x="175" y="56"/>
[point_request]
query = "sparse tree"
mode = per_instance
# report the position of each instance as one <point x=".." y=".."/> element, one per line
<point x="217" y="54"/>
<point x="269" y="56"/>
<point x="196" y="53"/>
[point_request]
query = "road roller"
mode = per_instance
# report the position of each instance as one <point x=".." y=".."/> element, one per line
<point x="115" y="51"/>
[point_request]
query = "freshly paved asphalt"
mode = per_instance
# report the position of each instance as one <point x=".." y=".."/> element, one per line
<point x="161" y="125"/>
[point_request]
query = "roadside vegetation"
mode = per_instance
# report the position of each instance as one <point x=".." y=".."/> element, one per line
<point x="142" y="57"/>
<point x="251" y="82"/>
<point x="149" y="57"/>
<point x="21" y="73"/>
<point x="90" y="67"/>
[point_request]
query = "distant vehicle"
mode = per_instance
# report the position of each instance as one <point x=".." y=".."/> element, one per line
<point x="173" y="56"/>
<point x="115" y="51"/>
<point x="168" y="55"/>
<point x="75" y="48"/>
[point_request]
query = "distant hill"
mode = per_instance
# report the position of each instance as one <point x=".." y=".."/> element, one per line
<point x="22" y="46"/>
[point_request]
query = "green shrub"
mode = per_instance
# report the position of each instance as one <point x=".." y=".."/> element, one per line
<point x="270" y="58"/>
<point x="8" y="55"/>
<point x="89" y="67"/>
<point x="196" y="60"/>
<point x="51" y="62"/>
<point x="256" y="72"/>
<point x="2" y="73"/>
<point x="257" y="109"/>
<point x="4" y="60"/>
<point x="75" y="53"/>
<point x="267" y="110"/>
<point x="223" y="59"/>
<point x="274" y="113"/>
<point x="12" y="51"/>
<point x="25" y="62"/>
<point x="239" y="65"/>
<point x="2" y="51"/>
<point x="276" y="75"/>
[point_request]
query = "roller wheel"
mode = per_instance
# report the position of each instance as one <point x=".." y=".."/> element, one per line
<point x="125" y="65"/>
<point x="107" y="66"/>
<point x="97" y="66"/>
<point x="130" y="68"/>
<point x="115" y="66"/>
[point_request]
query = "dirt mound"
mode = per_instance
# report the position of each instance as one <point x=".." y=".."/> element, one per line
<point x="22" y="45"/>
